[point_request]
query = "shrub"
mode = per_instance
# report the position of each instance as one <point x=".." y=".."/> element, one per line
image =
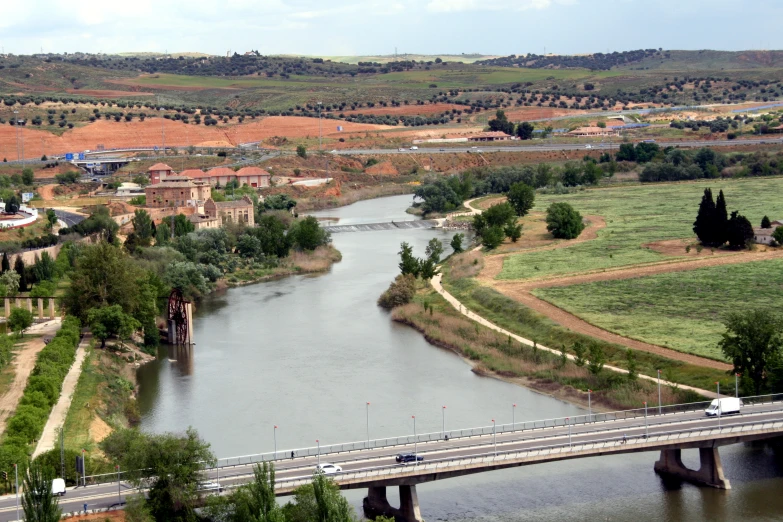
<point x="400" y="292"/>
<point x="563" y="221"/>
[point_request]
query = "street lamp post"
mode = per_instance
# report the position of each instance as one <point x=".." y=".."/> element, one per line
<point x="736" y="385"/>
<point x="568" y="420"/>
<point x="119" y="494"/>
<point x="514" y="417"/>
<point x="16" y="480"/>
<point x="659" y="392"/>
<point x="645" y="420"/>
<point x="589" y="406"/>
<point x="84" y="466"/>
<point x="719" y="408"/>
<point x="319" y="451"/>
<point x="368" y="424"/>
<point x="415" y="443"/>
<point x="16" y="129"/>
<point x="494" y="438"/>
<point x="275" y="435"/>
<point x="443" y="421"/>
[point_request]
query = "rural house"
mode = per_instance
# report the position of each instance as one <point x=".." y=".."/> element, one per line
<point x="237" y="211"/>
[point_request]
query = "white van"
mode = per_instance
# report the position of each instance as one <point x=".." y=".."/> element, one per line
<point x="58" y="487"/>
<point x="726" y="406"/>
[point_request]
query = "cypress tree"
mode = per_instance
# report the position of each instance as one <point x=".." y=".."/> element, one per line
<point x="19" y="269"/>
<point x="5" y="266"/>
<point x="703" y="227"/>
<point x="765" y="223"/>
<point x="721" y="220"/>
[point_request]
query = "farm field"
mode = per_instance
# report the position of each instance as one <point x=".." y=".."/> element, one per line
<point x="680" y="310"/>
<point x="641" y="224"/>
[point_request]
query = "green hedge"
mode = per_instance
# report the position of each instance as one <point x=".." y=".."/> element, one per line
<point x="40" y="396"/>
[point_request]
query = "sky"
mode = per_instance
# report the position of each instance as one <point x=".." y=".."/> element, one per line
<point x="377" y="27"/>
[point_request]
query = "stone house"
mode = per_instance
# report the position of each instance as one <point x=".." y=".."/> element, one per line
<point x="237" y="211"/>
<point x="177" y="191"/>
<point x="158" y="172"/>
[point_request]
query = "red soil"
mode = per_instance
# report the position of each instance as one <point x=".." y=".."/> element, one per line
<point x="148" y="133"/>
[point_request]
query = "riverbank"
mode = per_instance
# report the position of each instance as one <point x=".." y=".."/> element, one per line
<point x="347" y="196"/>
<point x="297" y="263"/>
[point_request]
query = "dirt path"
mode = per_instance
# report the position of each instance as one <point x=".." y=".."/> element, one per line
<point x="47" y="191"/>
<point x="23" y="363"/>
<point x="454" y="302"/>
<point x="60" y="410"/>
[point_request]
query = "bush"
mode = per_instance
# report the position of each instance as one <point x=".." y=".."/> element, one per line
<point x="400" y="292"/>
<point x="563" y="221"/>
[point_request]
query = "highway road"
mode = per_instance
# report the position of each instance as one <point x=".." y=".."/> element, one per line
<point x="108" y="494"/>
<point x="547" y="146"/>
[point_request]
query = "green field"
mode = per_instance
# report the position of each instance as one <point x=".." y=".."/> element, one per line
<point x="681" y="310"/>
<point x="639" y="215"/>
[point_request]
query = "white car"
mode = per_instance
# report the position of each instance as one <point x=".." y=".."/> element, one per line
<point x="210" y="485"/>
<point x="588" y="146"/>
<point x="414" y="148"/>
<point x="400" y="150"/>
<point x="328" y="469"/>
<point x="334" y="151"/>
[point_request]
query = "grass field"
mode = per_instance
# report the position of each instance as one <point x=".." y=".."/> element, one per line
<point x="639" y="215"/>
<point x="681" y="310"/>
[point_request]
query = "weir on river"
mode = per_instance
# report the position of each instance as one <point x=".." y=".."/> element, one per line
<point x="391" y="225"/>
<point x="307" y="353"/>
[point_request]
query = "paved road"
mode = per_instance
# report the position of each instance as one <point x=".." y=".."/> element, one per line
<point x="69" y="218"/>
<point x="550" y="147"/>
<point x="104" y="495"/>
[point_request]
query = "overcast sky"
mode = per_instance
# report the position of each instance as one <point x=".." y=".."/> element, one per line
<point x="371" y="27"/>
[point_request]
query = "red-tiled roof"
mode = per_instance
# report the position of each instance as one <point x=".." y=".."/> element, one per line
<point x="194" y="173"/>
<point x="251" y="171"/>
<point x="159" y="166"/>
<point x="221" y="171"/>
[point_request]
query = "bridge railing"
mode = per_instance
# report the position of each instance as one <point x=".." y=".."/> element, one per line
<point x="423" y="438"/>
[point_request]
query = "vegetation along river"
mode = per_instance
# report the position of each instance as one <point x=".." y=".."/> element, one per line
<point x="307" y="353"/>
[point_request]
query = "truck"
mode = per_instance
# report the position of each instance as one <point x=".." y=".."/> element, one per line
<point x="724" y="406"/>
<point x="58" y="487"/>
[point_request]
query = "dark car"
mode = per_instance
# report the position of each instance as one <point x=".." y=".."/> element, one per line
<point x="402" y="458"/>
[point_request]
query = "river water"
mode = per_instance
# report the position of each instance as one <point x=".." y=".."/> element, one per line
<point x="307" y="353"/>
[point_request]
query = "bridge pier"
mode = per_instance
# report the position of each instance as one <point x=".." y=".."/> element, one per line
<point x="376" y="504"/>
<point x="710" y="472"/>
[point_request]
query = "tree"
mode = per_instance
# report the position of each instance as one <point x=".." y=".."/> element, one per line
<point x="765" y="223"/>
<point x="626" y="152"/>
<point x="142" y="227"/>
<point x="597" y="359"/>
<point x="522" y="197"/>
<point x="162" y="234"/>
<point x="400" y="292"/>
<point x="434" y="250"/>
<point x="563" y="221"/>
<point x="307" y="234"/>
<point x="136" y="509"/>
<point x="513" y="231"/>
<point x="753" y="342"/>
<point x="5" y="266"/>
<point x="44" y="268"/>
<point x="408" y="263"/>
<point x="51" y="218"/>
<point x="301" y="151"/>
<point x="27" y="176"/>
<point x="111" y="320"/>
<point x="777" y="235"/>
<point x="721" y="219"/>
<point x="182" y="225"/>
<point x="630" y="358"/>
<point x="456" y="242"/>
<point x="10" y="282"/>
<point x="525" y="131"/>
<point x="739" y="231"/>
<point x="170" y="465"/>
<point x="271" y="231"/>
<point x="256" y="501"/>
<point x="501" y="123"/>
<point x="20" y="320"/>
<point x="427" y="268"/>
<point x="500" y="215"/>
<point x="579" y="353"/>
<point x="187" y="277"/>
<point x="12" y="205"/>
<point x="704" y="226"/>
<point x="38" y="502"/>
<point x="319" y="501"/>
<point x="492" y="237"/>
<point x="19" y="268"/>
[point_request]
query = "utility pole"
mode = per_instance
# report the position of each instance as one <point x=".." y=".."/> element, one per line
<point x="319" y="125"/>
<point x="62" y="453"/>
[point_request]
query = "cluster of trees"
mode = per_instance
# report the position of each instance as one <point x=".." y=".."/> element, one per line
<point x="497" y="223"/>
<point x="596" y="61"/>
<point x="501" y="123"/>
<point x="753" y="341"/>
<point x="673" y="164"/>
<point x="714" y="227"/>
<point x="41" y="276"/>
<point x="40" y="395"/>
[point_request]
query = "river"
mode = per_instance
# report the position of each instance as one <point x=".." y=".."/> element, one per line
<point x="307" y="353"/>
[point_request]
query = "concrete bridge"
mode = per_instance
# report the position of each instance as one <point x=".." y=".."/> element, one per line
<point x="390" y="225"/>
<point x="370" y="463"/>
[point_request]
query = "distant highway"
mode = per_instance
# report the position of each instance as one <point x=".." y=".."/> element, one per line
<point x="69" y="218"/>
<point x="550" y="147"/>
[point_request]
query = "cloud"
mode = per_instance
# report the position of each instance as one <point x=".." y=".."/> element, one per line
<point x="454" y="6"/>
